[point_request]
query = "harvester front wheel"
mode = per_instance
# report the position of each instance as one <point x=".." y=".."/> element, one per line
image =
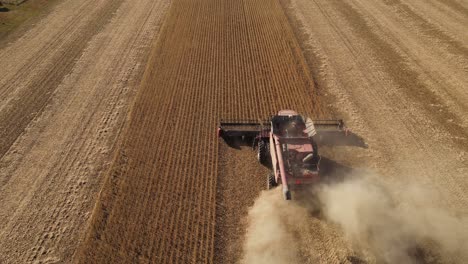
<point x="264" y="153"/>
<point x="271" y="182"/>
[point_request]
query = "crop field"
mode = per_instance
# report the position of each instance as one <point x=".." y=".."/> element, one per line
<point x="214" y="60"/>
<point x="109" y="151"/>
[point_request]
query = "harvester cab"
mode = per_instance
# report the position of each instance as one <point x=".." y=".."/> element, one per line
<point x="286" y="144"/>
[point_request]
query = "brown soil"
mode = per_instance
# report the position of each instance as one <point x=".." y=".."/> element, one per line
<point x="215" y="59"/>
<point x="241" y="60"/>
<point x="16" y="19"/>
<point x="174" y="192"/>
<point x="66" y="84"/>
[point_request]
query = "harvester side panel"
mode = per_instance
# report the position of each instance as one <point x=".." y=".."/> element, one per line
<point x="274" y="158"/>
<point x="244" y="128"/>
<point x="323" y="125"/>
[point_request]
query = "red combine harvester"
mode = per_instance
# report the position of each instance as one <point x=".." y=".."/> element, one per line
<point x="286" y="143"/>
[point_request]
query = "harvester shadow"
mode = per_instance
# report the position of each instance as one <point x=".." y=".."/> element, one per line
<point x="332" y="139"/>
<point x="238" y="142"/>
<point x="334" y="172"/>
<point x="3" y="8"/>
<point x="420" y="255"/>
<point x="331" y="172"/>
<point x="355" y="260"/>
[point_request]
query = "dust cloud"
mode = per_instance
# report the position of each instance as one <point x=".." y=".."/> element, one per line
<point x="272" y="230"/>
<point x="398" y="224"/>
<point x="394" y="224"/>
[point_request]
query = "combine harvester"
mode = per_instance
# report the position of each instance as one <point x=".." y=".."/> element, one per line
<point x="287" y="144"/>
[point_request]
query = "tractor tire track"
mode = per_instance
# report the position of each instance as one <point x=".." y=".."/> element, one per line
<point x="51" y="174"/>
<point x="29" y="102"/>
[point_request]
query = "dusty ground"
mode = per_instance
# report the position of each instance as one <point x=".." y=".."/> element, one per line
<point x="396" y="71"/>
<point x="15" y="20"/>
<point x="66" y="84"/>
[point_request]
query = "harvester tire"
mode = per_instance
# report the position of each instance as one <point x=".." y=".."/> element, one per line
<point x="264" y="153"/>
<point x="271" y="182"/>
